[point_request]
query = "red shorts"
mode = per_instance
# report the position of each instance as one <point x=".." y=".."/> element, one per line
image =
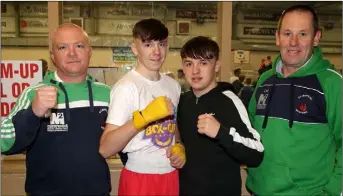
<point x="132" y="183"/>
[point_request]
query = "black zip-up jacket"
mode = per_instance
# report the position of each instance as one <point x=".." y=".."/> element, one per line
<point x="213" y="165"/>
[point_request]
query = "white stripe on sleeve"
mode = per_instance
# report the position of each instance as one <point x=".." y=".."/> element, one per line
<point x="251" y="143"/>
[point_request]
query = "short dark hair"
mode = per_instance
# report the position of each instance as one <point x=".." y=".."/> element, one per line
<point x="248" y="81"/>
<point x="237" y="71"/>
<point x="200" y="48"/>
<point x="150" y="29"/>
<point x="301" y="8"/>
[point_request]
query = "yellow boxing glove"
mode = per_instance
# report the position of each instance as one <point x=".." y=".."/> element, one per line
<point x="179" y="150"/>
<point x="155" y="110"/>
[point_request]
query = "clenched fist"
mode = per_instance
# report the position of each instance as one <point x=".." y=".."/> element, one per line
<point x="45" y="99"/>
<point x="157" y="109"/>
<point x="208" y="125"/>
<point x="176" y="155"/>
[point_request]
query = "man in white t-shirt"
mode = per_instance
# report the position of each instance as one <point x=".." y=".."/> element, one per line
<point x="142" y="118"/>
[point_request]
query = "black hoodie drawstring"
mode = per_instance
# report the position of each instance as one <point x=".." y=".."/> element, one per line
<point x="90" y="94"/>
<point x="291" y="104"/>
<point x="67" y="102"/>
<point x="269" y="100"/>
<point x="66" y="99"/>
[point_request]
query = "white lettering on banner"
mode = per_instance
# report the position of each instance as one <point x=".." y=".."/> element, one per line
<point x="15" y="77"/>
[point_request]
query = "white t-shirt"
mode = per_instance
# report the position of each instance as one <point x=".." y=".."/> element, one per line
<point x="147" y="150"/>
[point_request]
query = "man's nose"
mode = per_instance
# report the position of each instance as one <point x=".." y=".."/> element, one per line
<point x="195" y="69"/>
<point x="157" y="50"/>
<point x="294" y="40"/>
<point x="71" y="51"/>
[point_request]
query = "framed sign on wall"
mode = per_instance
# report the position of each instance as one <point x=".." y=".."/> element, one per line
<point x="241" y="56"/>
<point x="77" y="21"/>
<point x="183" y="27"/>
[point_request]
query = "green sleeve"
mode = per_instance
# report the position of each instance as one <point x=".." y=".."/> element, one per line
<point x="333" y="95"/>
<point x="7" y="127"/>
<point x="252" y="107"/>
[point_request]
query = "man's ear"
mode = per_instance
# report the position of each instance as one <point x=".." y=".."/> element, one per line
<point x="134" y="48"/>
<point x="316" y="38"/>
<point x="277" y="37"/>
<point x="217" y="66"/>
<point x="52" y="56"/>
<point x="90" y="52"/>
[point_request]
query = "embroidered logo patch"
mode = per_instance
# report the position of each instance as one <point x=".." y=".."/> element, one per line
<point x="57" y="123"/>
<point x="262" y="102"/>
<point x="302" y="106"/>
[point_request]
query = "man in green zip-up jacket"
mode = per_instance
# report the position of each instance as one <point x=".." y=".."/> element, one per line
<point x="297" y="109"/>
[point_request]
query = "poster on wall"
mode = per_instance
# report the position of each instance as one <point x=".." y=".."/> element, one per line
<point x="123" y="57"/>
<point x="261" y="15"/>
<point x="15" y="77"/>
<point x="33" y="9"/>
<point x="241" y="56"/>
<point x="123" y="54"/>
<point x="250" y="31"/>
<point x="34" y="25"/>
<point x="116" y="27"/>
<point x="265" y="31"/>
<point x="194" y="14"/>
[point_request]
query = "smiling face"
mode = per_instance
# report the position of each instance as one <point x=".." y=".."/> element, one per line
<point x="296" y="38"/>
<point x="150" y="54"/>
<point x="200" y="74"/>
<point x="71" y="53"/>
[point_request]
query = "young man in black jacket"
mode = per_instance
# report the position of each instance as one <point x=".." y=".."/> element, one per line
<point x="214" y="127"/>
